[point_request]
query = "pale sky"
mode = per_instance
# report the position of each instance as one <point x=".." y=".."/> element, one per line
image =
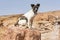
<point x="22" y="6"/>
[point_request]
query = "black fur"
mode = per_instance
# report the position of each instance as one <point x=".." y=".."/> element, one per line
<point x="21" y="18"/>
<point x="35" y="7"/>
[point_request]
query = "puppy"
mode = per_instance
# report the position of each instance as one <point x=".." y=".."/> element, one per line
<point x="25" y="19"/>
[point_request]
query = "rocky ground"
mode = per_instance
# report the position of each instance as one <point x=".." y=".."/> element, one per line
<point x="16" y="33"/>
<point x="44" y="27"/>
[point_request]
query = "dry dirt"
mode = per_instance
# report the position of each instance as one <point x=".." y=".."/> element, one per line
<point x="9" y="32"/>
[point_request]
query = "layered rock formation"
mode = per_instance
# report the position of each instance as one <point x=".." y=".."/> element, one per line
<point x="16" y="33"/>
<point x="45" y="27"/>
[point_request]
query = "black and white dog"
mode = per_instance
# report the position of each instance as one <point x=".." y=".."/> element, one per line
<point x="25" y="19"/>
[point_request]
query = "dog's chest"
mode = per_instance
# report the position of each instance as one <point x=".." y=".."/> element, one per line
<point x="29" y="14"/>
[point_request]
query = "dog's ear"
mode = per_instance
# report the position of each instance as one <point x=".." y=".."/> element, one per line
<point x="32" y="5"/>
<point x="38" y="5"/>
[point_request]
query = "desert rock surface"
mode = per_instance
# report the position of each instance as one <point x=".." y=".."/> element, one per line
<point x="44" y="27"/>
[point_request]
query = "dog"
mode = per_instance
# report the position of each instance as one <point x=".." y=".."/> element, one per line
<point x="27" y="16"/>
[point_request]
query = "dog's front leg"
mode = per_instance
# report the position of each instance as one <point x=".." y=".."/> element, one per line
<point x="29" y="24"/>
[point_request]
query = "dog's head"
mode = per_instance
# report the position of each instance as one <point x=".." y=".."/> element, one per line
<point x="35" y="7"/>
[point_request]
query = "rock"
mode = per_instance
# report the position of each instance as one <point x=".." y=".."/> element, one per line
<point x="21" y="34"/>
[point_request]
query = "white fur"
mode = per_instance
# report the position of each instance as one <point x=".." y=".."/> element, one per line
<point x="22" y="22"/>
<point x="29" y="15"/>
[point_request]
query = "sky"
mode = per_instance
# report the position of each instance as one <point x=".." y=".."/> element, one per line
<point x="8" y="7"/>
